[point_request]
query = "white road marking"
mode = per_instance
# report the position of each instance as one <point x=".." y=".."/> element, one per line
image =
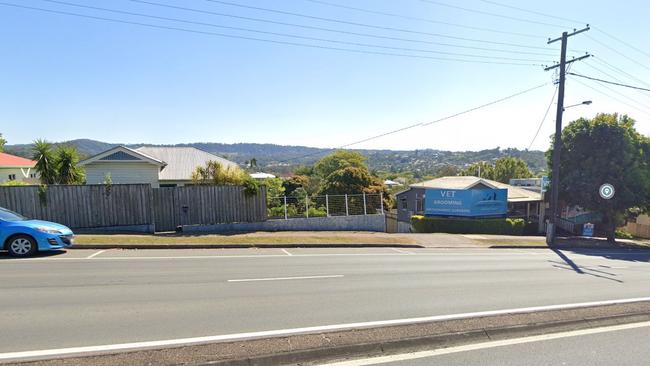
<point x="15" y="356"/>
<point x="484" y="345"/>
<point x="402" y="251"/>
<point x="472" y="236"/>
<point x="285" y="278"/>
<point x="440" y="254"/>
<point x="96" y="254"/>
<point x="286" y="252"/>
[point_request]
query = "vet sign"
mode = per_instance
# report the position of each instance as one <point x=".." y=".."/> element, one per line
<point x="606" y="191"/>
<point x="466" y="202"/>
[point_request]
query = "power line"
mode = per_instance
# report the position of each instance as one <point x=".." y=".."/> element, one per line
<point x="608" y="82"/>
<point x="422" y="124"/>
<point x="427" y="20"/>
<point x="624" y="42"/>
<point x="224" y="35"/>
<point x="288" y="35"/>
<point x="373" y="26"/>
<point x="619" y="70"/>
<point x="639" y="104"/>
<point x="609" y="96"/>
<point x="541" y="123"/>
<point x="618" y="52"/>
<point x="492" y="14"/>
<point x="339" y="31"/>
<point x="532" y="11"/>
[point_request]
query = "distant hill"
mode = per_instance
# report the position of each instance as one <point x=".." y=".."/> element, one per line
<point x="283" y="159"/>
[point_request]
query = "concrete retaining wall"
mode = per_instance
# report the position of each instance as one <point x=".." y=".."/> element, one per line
<point x="335" y="223"/>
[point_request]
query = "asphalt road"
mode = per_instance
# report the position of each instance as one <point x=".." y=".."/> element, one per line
<point x="622" y="348"/>
<point x="86" y="298"/>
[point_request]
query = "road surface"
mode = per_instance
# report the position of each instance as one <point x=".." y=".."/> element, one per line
<point x="627" y="347"/>
<point x="87" y="298"/>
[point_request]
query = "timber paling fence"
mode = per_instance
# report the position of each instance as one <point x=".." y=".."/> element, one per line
<point x="101" y="206"/>
<point x="287" y="207"/>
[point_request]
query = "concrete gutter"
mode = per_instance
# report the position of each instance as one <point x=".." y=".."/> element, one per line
<point x="373" y="341"/>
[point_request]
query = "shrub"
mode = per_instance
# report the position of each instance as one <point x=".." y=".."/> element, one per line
<point x="499" y="226"/>
<point x="622" y="234"/>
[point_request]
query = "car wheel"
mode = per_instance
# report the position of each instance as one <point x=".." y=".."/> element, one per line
<point x="22" y="246"/>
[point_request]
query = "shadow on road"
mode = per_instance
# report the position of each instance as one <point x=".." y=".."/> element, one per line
<point x="599" y="271"/>
<point x="52" y="253"/>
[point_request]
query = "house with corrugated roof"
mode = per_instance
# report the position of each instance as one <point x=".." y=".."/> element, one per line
<point x="156" y="165"/>
<point x="521" y="202"/>
<point x="15" y="168"/>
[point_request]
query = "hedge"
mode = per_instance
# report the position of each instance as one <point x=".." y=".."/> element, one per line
<point x="498" y="226"/>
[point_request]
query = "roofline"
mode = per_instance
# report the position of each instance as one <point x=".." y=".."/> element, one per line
<point x="125" y="149"/>
<point x="17" y="166"/>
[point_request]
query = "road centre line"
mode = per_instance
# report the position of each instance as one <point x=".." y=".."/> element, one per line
<point x="96" y="254"/>
<point x="285" y="278"/>
<point x="22" y="355"/>
<point x="485" y="345"/>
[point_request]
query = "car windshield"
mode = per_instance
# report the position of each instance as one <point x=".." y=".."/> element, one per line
<point x="7" y="215"/>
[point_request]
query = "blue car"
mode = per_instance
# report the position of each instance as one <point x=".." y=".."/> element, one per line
<point x="23" y="237"/>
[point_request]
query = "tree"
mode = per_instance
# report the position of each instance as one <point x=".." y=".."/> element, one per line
<point x="507" y="168"/>
<point x="213" y="173"/>
<point x="447" y="171"/>
<point x="338" y="160"/>
<point x="3" y="142"/>
<point x="67" y="171"/>
<point x="605" y="149"/>
<point x="481" y="168"/>
<point x="295" y="182"/>
<point x="349" y="180"/>
<point x="45" y="166"/>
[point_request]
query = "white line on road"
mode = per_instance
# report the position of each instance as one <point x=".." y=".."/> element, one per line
<point x="15" y="356"/>
<point x="96" y="254"/>
<point x="438" y="254"/>
<point x="286" y="252"/>
<point x="402" y="251"/>
<point x="484" y="345"/>
<point x="285" y="278"/>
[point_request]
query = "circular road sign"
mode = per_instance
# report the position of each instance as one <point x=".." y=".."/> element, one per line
<point x="606" y="191"/>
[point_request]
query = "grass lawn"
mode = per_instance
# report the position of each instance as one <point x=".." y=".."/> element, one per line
<point x="248" y="238"/>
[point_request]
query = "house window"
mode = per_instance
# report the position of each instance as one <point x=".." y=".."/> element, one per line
<point x="404" y="204"/>
<point x="33" y="175"/>
<point x="418" y="205"/>
<point x="12" y="176"/>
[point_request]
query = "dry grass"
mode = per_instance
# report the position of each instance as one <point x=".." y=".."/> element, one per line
<point x="248" y="238"/>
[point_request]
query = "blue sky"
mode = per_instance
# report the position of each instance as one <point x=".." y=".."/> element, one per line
<point x="64" y="77"/>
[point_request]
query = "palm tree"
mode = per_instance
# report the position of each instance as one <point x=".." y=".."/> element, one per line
<point x="66" y="165"/>
<point x="45" y="162"/>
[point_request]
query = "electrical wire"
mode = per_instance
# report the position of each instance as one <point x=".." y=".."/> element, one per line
<point x="426" y="20"/>
<point x="289" y="35"/>
<point x="541" y="123"/>
<point x="611" y="97"/>
<point x="366" y="25"/>
<point x="224" y="35"/>
<point x="618" y="52"/>
<point x="624" y="42"/>
<point x="609" y="82"/>
<point x="532" y="11"/>
<point x="339" y="31"/>
<point x="439" y="3"/>
<point x="619" y="70"/>
<point x="422" y="124"/>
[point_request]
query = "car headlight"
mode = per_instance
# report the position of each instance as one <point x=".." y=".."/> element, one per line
<point x="49" y="230"/>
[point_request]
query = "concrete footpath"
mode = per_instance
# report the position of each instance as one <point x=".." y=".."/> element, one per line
<point x="346" y="341"/>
